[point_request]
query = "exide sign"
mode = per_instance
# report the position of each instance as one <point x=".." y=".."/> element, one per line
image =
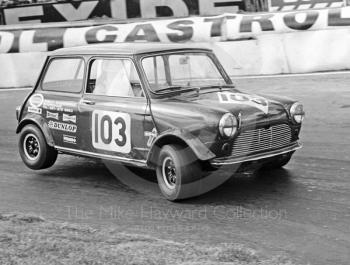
<point x="118" y="9"/>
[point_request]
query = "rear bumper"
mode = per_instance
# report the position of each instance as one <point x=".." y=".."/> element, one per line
<point x="254" y="157"/>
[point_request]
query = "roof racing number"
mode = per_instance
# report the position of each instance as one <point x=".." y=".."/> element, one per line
<point x="111" y="131"/>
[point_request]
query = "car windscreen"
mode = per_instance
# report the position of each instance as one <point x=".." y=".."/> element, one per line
<point x="181" y="70"/>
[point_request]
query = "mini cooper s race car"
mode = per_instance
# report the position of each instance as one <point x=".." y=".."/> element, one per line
<point x="169" y="107"/>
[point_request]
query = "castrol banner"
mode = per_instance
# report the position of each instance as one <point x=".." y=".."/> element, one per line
<point x="225" y="27"/>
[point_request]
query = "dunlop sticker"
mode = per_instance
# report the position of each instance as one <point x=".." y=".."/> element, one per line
<point x="60" y="126"/>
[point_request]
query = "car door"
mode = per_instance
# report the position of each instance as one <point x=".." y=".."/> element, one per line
<point x="114" y="111"/>
<point x="61" y="89"/>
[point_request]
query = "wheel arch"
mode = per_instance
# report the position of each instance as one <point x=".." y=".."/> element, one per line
<point x="41" y="124"/>
<point x="179" y="138"/>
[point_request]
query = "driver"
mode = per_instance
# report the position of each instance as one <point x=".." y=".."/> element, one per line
<point x="113" y="79"/>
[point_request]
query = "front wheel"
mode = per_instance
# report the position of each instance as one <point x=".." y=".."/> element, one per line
<point x="178" y="170"/>
<point x="34" y="150"/>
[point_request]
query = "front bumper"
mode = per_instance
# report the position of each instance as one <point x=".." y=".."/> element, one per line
<point x="254" y="157"/>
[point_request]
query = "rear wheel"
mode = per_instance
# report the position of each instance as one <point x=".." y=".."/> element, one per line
<point x="34" y="150"/>
<point x="177" y="170"/>
<point x="278" y="161"/>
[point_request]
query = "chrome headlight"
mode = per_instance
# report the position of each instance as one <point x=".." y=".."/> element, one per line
<point x="228" y="125"/>
<point x="297" y="112"/>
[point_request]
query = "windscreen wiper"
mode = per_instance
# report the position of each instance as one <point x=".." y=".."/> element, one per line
<point x="230" y="86"/>
<point x="176" y="89"/>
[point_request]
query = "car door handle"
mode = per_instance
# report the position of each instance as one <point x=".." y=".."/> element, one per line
<point x="88" y="102"/>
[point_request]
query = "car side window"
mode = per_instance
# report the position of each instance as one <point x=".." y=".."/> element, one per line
<point x="114" y="77"/>
<point x="64" y="75"/>
<point x="155" y="71"/>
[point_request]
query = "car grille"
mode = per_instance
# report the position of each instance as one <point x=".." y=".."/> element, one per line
<point x="259" y="140"/>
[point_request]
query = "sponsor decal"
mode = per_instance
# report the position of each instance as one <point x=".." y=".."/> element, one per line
<point x="52" y="115"/>
<point x="69" y="139"/>
<point x="36" y="100"/>
<point x="35" y="110"/>
<point x="151" y="136"/>
<point x="52" y="104"/>
<point x="69" y="118"/>
<point x="60" y="126"/>
<point x="58" y="106"/>
<point x="245" y="99"/>
<point x="226" y="27"/>
<point x="111" y="131"/>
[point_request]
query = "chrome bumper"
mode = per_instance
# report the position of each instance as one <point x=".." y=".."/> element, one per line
<point x="237" y="160"/>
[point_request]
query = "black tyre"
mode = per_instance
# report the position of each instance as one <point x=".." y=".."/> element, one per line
<point x="34" y="150"/>
<point x="278" y="161"/>
<point x="178" y="171"/>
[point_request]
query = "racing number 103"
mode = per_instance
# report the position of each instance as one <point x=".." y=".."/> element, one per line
<point x="106" y="124"/>
<point x="111" y="131"/>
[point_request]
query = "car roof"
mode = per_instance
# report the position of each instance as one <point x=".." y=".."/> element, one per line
<point x="128" y="48"/>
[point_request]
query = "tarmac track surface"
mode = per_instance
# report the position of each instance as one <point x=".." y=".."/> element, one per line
<point x="302" y="211"/>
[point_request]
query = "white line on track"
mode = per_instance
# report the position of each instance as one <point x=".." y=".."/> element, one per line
<point x="15" y="89"/>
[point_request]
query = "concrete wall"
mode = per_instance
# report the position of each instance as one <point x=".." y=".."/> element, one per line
<point x="297" y="52"/>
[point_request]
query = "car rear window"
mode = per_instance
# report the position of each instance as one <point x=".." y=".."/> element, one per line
<point x="64" y="75"/>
